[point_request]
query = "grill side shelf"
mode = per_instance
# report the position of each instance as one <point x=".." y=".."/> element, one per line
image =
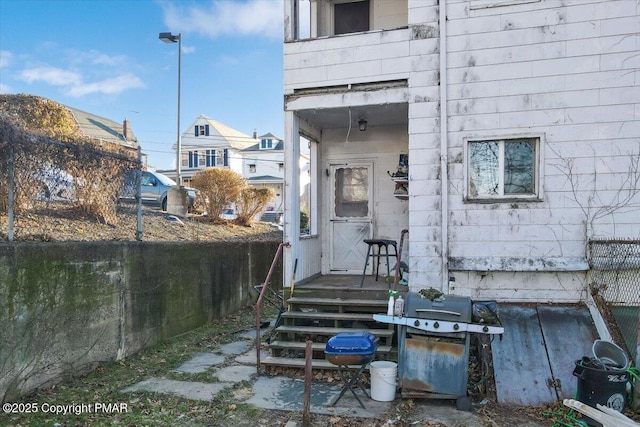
<point x="439" y="326"/>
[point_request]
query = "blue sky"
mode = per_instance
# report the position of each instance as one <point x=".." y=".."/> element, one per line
<point x="105" y="57"/>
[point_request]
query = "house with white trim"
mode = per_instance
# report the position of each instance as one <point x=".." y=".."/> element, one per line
<point x="520" y="120"/>
<point x="259" y="159"/>
<point x="264" y="167"/>
<point x="208" y="143"/>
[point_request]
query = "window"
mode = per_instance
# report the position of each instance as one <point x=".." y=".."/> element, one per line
<point x="309" y="186"/>
<point x="193" y="159"/>
<point x="202" y="130"/>
<point x="221" y="157"/>
<point x="351" y="17"/>
<point x="280" y="167"/>
<point x="210" y="158"/>
<point x="503" y="169"/>
<point x="202" y="159"/>
<point x="252" y="168"/>
<point x="266" y="144"/>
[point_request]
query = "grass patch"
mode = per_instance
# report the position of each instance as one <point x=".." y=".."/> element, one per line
<point x="96" y="398"/>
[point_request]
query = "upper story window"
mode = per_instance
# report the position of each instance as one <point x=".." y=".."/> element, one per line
<point x="500" y="169"/>
<point x="252" y="168"/>
<point x="266" y="144"/>
<point x="280" y="167"/>
<point x="350" y="17"/>
<point x="202" y="130"/>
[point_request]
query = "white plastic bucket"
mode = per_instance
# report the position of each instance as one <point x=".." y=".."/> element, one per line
<point x="383" y="380"/>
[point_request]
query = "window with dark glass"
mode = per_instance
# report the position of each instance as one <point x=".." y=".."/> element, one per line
<point x="352" y="17"/>
<point x="502" y="168"/>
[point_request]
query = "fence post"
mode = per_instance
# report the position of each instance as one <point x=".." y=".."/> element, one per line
<point x="139" y="197"/>
<point x="11" y="194"/>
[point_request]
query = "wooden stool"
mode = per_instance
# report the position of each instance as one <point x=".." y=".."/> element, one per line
<point x="373" y="253"/>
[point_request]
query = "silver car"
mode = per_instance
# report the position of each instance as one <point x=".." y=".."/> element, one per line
<point x="154" y="187"/>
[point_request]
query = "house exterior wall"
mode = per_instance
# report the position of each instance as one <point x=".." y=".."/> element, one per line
<point x="369" y="57"/>
<point x="566" y="73"/>
<point x="267" y="162"/>
<point x="562" y="72"/>
<point x="425" y="189"/>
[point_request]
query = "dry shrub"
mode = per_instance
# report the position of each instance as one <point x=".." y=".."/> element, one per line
<point x="251" y="201"/>
<point x="219" y="188"/>
<point x="97" y="180"/>
<point x="50" y="157"/>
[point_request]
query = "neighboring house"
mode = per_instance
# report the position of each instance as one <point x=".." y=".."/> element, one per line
<point x="521" y="124"/>
<point x="264" y="167"/>
<point x="103" y="129"/>
<point x="209" y="143"/>
<point x="260" y="160"/>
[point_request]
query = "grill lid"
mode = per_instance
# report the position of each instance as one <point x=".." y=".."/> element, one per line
<point x="447" y="307"/>
<point x="362" y="342"/>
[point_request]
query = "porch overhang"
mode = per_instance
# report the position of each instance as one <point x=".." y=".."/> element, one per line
<point x="330" y="110"/>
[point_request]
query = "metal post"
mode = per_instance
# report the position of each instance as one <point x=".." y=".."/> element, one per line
<point x="11" y="191"/>
<point x="139" y="197"/>
<point x="170" y="38"/>
<point x="179" y="138"/>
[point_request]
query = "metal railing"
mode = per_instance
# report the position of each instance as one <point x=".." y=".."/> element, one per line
<point x="615" y="277"/>
<point x="263" y="289"/>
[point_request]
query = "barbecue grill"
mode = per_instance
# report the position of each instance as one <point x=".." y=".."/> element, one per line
<point x="351" y="352"/>
<point x="433" y="346"/>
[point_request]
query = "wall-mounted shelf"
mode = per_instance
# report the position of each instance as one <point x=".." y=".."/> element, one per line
<point x="401" y="184"/>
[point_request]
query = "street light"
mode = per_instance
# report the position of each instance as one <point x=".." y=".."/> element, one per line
<point x="170" y="38"/>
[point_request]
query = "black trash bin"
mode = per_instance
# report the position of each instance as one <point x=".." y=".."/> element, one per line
<point x="598" y="383"/>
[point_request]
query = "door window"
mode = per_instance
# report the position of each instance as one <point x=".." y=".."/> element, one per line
<point x="352" y="192"/>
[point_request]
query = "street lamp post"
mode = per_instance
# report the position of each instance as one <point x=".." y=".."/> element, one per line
<point x="170" y="38"/>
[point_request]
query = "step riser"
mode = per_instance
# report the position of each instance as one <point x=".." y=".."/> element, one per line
<point x="313" y="316"/>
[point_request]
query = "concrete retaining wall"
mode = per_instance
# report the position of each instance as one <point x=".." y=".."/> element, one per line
<point x="66" y="306"/>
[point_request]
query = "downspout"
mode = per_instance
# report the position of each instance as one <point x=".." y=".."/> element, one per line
<point x="444" y="132"/>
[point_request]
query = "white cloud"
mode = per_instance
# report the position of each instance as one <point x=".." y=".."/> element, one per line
<point x="230" y="18"/>
<point x="51" y="75"/>
<point x="113" y="85"/>
<point x="186" y="50"/>
<point x="4" y="88"/>
<point x="5" y="58"/>
<point x="74" y="85"/>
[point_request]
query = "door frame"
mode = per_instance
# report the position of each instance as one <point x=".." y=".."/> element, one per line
<point x="333" y="165"/>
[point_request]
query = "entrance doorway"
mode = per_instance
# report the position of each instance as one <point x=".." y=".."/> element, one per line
<point x="351" y="216"/>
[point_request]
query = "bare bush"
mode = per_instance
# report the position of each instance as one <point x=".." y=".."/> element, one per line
<point x="43" y="148"/>
<point x="219" y="188"/>
<point x="251" y="201"/>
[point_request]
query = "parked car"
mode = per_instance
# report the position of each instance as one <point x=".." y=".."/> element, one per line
<point x="55" y="185"/>
<point x="154" y="187"/>
<point x="229" y="214"/>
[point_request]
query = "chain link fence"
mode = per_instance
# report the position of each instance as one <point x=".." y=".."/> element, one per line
<point x="66" y="176"/>
<point x="615" y="281"/>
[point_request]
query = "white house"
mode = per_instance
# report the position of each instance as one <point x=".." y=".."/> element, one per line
<point x="209" y="143"/>
<point x="260" y="160"/>
<point x="264" y="167"/>
<point x="520" y="119"/>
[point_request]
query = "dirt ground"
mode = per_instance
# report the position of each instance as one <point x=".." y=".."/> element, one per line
<point x="57" y="222"/>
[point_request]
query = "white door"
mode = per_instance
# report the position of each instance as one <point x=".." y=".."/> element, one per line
<point x="351" y="216"/>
